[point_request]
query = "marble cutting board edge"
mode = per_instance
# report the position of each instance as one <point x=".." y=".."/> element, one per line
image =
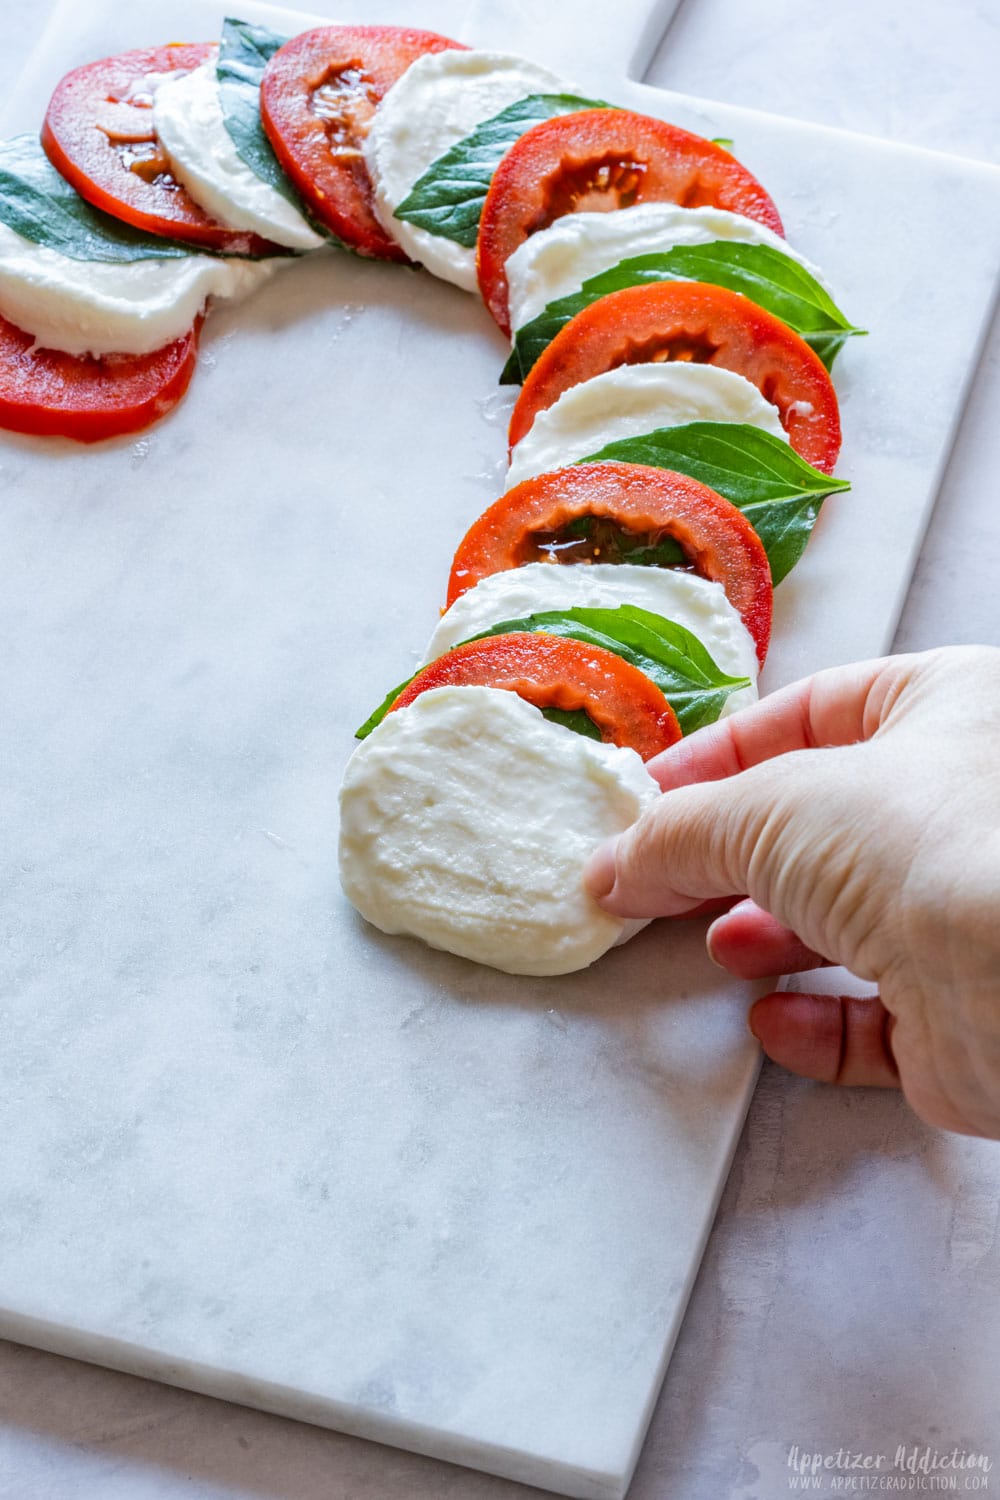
<point x="252" y="1149"/>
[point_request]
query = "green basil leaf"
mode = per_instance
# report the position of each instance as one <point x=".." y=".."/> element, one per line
<point x="768" y="277"/>
<point x="669" y="654"/>
<point x="576" y="719"/>
<point x="828" y="345"/>
<point x="448" y="199"/>
<point x="244" y="53"/>
<point x="778" y="492"/>
<point x="374" y="719"/>
<point x="515" y="371"/>
<point x="38" y="204"/>
<point x="666" y="652"/>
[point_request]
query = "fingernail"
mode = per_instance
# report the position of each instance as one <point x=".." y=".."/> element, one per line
<point x="599" y="871"/>
<point x="710" y="940"/>
<point x="716" y="928"/>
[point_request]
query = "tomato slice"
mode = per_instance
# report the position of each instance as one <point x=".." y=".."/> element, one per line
<point x="691" y="320"/>
<point x="98" y="133"/>
<point x="603" y="159"/>
<point x="553" y="671"/>
<point x="717" y="540"/>
<point x="317" y="96"/>
<point x="51" y="394"/>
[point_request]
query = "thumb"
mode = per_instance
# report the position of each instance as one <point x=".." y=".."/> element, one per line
<point x="719" y="838"/>
<point x="735" y="815"/>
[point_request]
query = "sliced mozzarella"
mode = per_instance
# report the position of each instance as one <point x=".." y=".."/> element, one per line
<point x="187" y="117"/>
<point x="696" y="603"/>
<point x="557" y="261"/>
<point x="90" y="307"/>
<point x="630" y="401"/>
<point x="466" y="820"/>
<point x="440" y="98"/>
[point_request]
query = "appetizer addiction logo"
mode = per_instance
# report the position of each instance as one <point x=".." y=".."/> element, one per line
<point x="907" y="1470"/>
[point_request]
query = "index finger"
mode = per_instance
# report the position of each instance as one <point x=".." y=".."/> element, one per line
<point x="835" y="707"/>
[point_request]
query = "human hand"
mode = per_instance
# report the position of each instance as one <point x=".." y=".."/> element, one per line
<point x="859" y="810"/>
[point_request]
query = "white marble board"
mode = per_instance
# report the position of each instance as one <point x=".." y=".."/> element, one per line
<point x="249" y="1146"/>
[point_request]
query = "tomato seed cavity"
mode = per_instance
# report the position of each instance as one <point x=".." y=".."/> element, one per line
<point x="345" y="102"/>
<point x="596" y="186"/>
<point x="592" y="539"/>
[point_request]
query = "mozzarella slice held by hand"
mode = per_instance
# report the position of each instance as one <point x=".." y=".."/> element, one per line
<point x="466" y="820"/>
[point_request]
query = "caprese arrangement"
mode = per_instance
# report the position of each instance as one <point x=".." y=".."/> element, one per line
<point x="674" y="436"/>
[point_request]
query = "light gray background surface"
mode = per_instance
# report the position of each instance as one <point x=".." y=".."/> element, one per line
<point x="849" y="1292"/>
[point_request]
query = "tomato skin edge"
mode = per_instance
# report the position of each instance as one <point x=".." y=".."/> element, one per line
<point x="513" y="203"/>
<point x="722" y="543"/>
<point x="338" y="195"/>
<point x="63" y="142"/>
<point x="749" y="341"/>
<point x="95" y="423"/>
<point x="559" y="672"/>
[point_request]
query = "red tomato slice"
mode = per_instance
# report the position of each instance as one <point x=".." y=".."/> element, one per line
<point x="51" y="394"/>
<point x="554" y="671"/>
<point x="98" y="133"/>
<point x="716" y="538"/>
<point x="603" y="159"/>
<point x="318" y="94"/>
<point x="690" y="320"/>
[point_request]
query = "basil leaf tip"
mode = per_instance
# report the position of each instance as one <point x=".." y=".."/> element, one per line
<point x="778" y="492"/>
<point x="374" y="719"/>
<point x="767" y="276"/>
